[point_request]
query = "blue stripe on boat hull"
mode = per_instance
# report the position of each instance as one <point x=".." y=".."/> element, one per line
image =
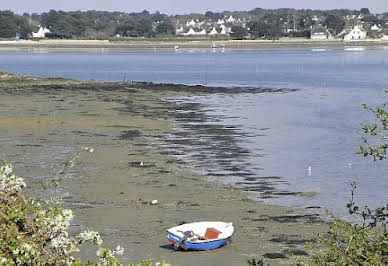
<point x="197" y="246"/>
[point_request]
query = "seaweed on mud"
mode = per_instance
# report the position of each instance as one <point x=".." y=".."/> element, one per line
<point x="291" y="240"/>
<point x="29" y="145"/>
<point x="275" y="255"/>
<point x="308" y="218"/>
<point x="88" y="134"/>
<point x="187" y="204"/>
<point x="129" y="134"/>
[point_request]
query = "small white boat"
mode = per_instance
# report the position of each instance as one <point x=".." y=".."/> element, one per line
<point x="200" y="235"/>
<point x="176" y="47"/>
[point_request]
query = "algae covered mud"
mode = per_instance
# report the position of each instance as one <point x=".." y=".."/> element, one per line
<point x="43" y="121"/>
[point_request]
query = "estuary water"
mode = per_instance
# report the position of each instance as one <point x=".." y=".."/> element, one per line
<point x="303" y="143"/>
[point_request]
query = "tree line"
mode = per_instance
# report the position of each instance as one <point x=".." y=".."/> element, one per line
<point x="258" y="23"/>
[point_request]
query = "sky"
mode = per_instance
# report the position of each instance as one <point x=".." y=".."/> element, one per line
<point x="185" y="7"/>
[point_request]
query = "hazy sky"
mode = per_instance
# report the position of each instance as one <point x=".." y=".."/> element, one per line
<point x="185" y="6"/>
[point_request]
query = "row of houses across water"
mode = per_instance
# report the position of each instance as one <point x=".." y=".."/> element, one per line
<point x="210" y="27"/>
<point x="356" y="33"/>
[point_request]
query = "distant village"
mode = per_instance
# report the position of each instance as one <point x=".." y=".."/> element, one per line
<point x="347" y="25"/>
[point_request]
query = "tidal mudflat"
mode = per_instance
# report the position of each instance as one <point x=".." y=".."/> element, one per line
<point x="43" y="121"/>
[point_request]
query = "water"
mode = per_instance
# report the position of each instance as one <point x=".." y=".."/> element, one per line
<point x="317" y="126"/>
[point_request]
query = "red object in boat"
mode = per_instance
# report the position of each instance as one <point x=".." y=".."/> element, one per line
<point x="212" y="233"/>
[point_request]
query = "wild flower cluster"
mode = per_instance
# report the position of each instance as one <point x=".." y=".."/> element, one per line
<point x="8" y="181"/>
<point x="37" y="233"/>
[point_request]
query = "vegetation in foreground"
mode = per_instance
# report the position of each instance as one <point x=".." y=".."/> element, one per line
<point x="36" y="232"/>
<point x="366" y="241"/>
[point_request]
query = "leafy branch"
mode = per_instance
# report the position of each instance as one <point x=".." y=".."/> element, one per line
<point x="378" y="132"/>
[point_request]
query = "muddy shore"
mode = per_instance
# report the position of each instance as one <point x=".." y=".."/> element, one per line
<point x="43" y="121"/>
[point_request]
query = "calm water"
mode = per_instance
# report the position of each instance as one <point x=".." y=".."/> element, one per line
<point x="318" y="126"/>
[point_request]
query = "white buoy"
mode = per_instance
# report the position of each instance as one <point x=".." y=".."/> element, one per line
<point x="309" y="170"/>
<point x="154" y="202"/>
<point x="141" y="163"/>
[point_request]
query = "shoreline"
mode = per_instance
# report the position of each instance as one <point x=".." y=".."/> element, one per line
<point x="110" y="192"/>
<point x="170" y="44"/>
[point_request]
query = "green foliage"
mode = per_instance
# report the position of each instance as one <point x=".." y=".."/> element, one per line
<point x="334" y="24"/>
<point x="376" y="134"/>
<point x="238" y="33"/>
<point x="136" y="27"/>
<point x="8" y="26"/>
<point x="261" y="29"/>
<point x="165" y="27"/>
<point x="354" y="244"/>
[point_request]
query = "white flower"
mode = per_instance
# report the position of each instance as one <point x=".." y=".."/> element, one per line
<point x="91" y="236"/>
<point x="8" y="181"/>
<point x="119" y="250"/>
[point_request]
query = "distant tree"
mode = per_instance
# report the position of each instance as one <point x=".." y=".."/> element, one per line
<point x="334" y="24"/>
<point x="136" y="27"/>
<point x="165" y="27"/>
<point x="35" y="17"/>
<point x="365" y="11"/>
<point x="213" y="16"/>
<point x="145" y="12"/>
<point x="8" y="26"/>
<point x="260" y="29"/>
<point x="300" y="34"/>
<point x="238" y="33"/>
<point x="24" y="28"/>
<point x="158" y="17"/>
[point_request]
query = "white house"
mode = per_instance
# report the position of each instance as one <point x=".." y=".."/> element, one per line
<point x="213" y="31"/>
<point x="190" y="23"/>
<point x="220" y="22"/>
<point x="231" y="19"/>
<point x="179" y="30"/>
<point x="376" y="28"/>
<point x="319" y="36"/>
<point x="315" y="18"/>
<point x="355" y="34"/>
<point x="320" y="33"/>
<point x="202" y="32"/>
<point x="224" y="30"/>
<point x="190" y="32"/>
<point x="41" y="33"/>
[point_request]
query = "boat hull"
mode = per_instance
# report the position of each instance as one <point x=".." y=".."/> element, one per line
<point x="187" y="245"/>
